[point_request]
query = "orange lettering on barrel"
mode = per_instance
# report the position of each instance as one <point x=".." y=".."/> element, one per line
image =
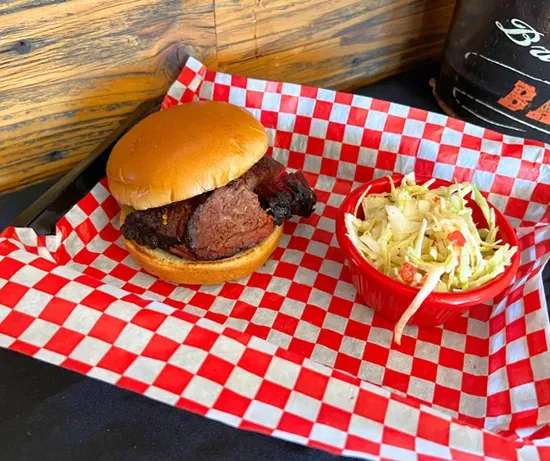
<point x="542" y="114"/>
<point x="519" y="97"/>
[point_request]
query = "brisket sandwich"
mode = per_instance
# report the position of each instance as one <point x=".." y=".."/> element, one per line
<point x="200" y="201"/>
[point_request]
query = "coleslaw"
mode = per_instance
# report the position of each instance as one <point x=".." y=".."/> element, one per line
<point x="427" y="239"/>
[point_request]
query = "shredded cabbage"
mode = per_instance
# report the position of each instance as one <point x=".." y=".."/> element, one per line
<point x="427" y="239"/>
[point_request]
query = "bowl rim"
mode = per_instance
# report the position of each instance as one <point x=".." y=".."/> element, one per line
<point x="475" y="296"/>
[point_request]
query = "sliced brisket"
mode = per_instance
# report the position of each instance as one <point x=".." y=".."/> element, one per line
<point x="262" y="171"/>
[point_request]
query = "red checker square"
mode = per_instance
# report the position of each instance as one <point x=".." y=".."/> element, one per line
<point x="148" y="319"/>
<point x="11" y="293"/>
<point x="334" y="254"/>
<point x="39" y="263"/>
<point x="117" y="360"/>
<point x="447" y="154"/>
<point x="296" y="160"/>
<point x="424" y="369"/>
<point x="173" y="379"/>
<point x="98" y="300"/>
<point x="8" y="267"/>
<point x="301" y="347"/>
<point x="386" y="160"/>
<point x="15" y="324"/>
<point x="298" y="243"/>
<point x="329" y="167"/>
<point x="378" y="104"/>
<point x="232" y="403"/>
<point x="543" y="392"/>
<point x="64" y="341"/>
<point x="295" y="425"/>
<point x="221" y="92"/>
<point x="283" y="139"/>
<point x="361" y="445"/>
<point x="322" y="236"/>
<point x="24" y="348"/>
<point x="519" y="373"/>
<point x="237" y="336"/>
<point x="343" y="98"/>
<point x="134" y="299"/>
<point x="250" y="426"/>
<point x="289" y="104"/>
<point x="357" y="330"/>
<point x="77" y="366"/>
<point x="347" y="363"/>
<point x="446" y="397"/>
<point x="308" y="91"/>
<point x="258" y="280"/>
<point x="334" y="417"/>
<point x="471" y="142"/>
<point x="434" y="429"/>
<point x="243" y="310"/>
<point x="536" y="342"/>
<point x="110" y="207"/>
<point x="357" y="116"/>
<point x="86" y="231"/>
<point x="285" y="270"/>
<point x="93" y="277"/>
<point x="497" y="447"/>
<point x="335" y="131"/>
<point x="255" y="362"/>
<point x="312" y="262"/>
<point x="169" y="101"/>
<point x="132" y="384"/>
<point x="202" y="300"/>
<point x="418" y="114"/>
<point x="398" y="439"/>
<point x="272" y="301"/>
<point x="215" y="369"/>
<point x="273" y="394"/>
<point x="186" y="76"/>
<point x="302" y="125"/>
<point x="371" y="139"/>
<point x="512" y="150"/>
<point x="463" y="174"/>
<point x="424" y="167"/>
<point x="254" y="99"/>
<point x="57" y="311"/>
<point x="342" y="187"/>
<point x="394" y="124"/>
<point x="340" y="306"/>
<point x="458" y="455"/>
<point x="474" y="385"/>
<point x="315" y="146"/>
<point x="433" y="132"/>
<point x="88" y="204"/>
<point x="515" y="330"/>
<point x="287" y="356"/>
<point x="451" y="359"/>
<point x="239" y="82"/>
<point x="455" y="124"/>
<point x="192" y="406"/>
<point x="502" y="185"/>
<point x="531" y="302"/>
<point x="162" y="288"/>
<point x="477" y="346"/>
<point x="396" y="380"/>
<point x="516" y="207"/>
<point x="285" y="323"/>
<point x="529" y="170"/>
<point x="322" y="109"/>
<point x="269" y="119"/>
<point x="88" y="280"/>
<point x="488" y="162"/>
<point x="51" y="284"/>
<point x="314" y="315"/>
<point x="349" y="153"/>
<point x="497" y="323"/>
<point x="107" y="328"/>
<point x="299" y="292"/>
<point x="231" y="290"/>
<point x="85" y="257"/>
<point x="376" y="354"/>
<point x="497" y="360"/>
<point x="409" y="146"/>
<point x="311" y="383"/>
<point x="273" y="87"/>
<point x="115" y="253"/>
<point x="201" y="338"/>
<point x="330" y="339"/>
<point x="123" y="272"/>
<point x="325" y="447"/>
<point x="541" y="194"/>
<point x="473" y="421"/>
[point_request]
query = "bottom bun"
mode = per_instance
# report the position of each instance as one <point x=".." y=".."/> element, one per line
<point x="170" y="267"/>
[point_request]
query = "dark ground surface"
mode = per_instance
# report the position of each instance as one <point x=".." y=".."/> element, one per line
<point x="47" y="413"/>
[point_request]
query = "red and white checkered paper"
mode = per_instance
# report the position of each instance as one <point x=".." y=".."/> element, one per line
<point x="291" y="351"/>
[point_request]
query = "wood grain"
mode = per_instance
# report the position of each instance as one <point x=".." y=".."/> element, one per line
<point x="71" y="70"/>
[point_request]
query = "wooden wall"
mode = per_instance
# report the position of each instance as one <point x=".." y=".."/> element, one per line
<point x="71" y="70"/>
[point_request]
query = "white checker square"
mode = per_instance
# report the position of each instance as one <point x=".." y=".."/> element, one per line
<point x="324" y="355"/>
<point x="332" y="150"/>
<point x="261" y="345"/>
<point x="312" y="164"/>
<point x="491" y="147"/>
<point x="202" y="391"/>
<point x="353" y="347"/>
<point x="98" y="245"/>
<point x="498" y="201"/>
<point x="353" y="135"/>
<point x="228" y="349"/>
<point x="104" y="264"/>
<point x="331" y="268"/>
<point x="452" y="340"/>
<point x="74" y="292"/>
<point x="467" y="158"/>
<point x="497" y="382"/>
<point x="263" y="414"/>
<point x="90" y="350"/>
<point x="347" y="291"/>
<point x="291" y="89"/>
<point x="299" y="142"/>
<point x="404" y="164"/>
<point x="533" y="154"/>
<point x="25" y="257"/>
<point x="509" y="166"/>
<point x="449" y="377"/>
<point x="393" y="452"/>
<point x="133" y="338"/>
<point x="28" y="276"/>
<point x="76" y="216"/>
<point x="339" y="113"/>
<point x="497" y="341"/>
<point x="317" y="367"/>
<point x="362" y="102"/>
<point x="264" y="317"/>
<point x="39" y="332"/>
<point x="380" y="336"/>
<point x="535" y="212"/>
<point x="161" y="395"/>
<point x="326" y="95"/>
<point x="474" y="130"/>
<point x="413" y="128"/>
<point x="376" y="120"/>
<point x="306" y="106"/>
<point x="189" y="358"/>
<point x="402" y="417"/>
<point x="400" y="362"/>
<point x="451" y="137"/>
<point x="286" y="122"/>
<point x="33" y="302"/>
<point x="224" y="417"/>
<point x="517" y="350"/>
<point x="341" y="394"/>
<point x="252" y="295"/>
<point x="100" y="193"/>
<point x="99" y="219"/>
<point x="428" y="150"/>
<point x="436" y="119"/>
<point x="366" y="428"/>
<point x="6" y="341"/>
<point x="390" y="142"/>
<point x="282" y="372"/>
<point x="82" y="319"/>
<point x="432" y="449"/>
<point x="290" y="437"/>
<point x="177" y="89"/>
<point x="444" y="171"/>
<point x="122" y="310"/>
<point x="221" y="78"/>
<point x="237" y="96"/>
<point x="50" y="357"/>
<point x="318" y="128"/>
<point x="335" y="323"/>
<point x="279" y="338"/>
<point x="346" y="170"/>
<point x="145" y="369"/>
<point x="255" y="85"/>
<point x="302" y="405"/>
<point x="466" y="438"/>
<point x="322" y="300"/>
<point x="279" y="285"/>
<point x="477" y="366"/>
<point x="483" y="180"/>
<point x="371" y="372"/>
<point x="421" y="389"/>
<point x="104" y="375"/>
<point x="322" y="433"/>
<point x="292" y="307"/>
<point x="243" y="382"/>
<point x="472" y="405"/>
<point x="398" y="110"/>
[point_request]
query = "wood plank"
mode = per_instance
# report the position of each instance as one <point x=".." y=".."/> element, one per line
<point x="331" y="43"/>
<point x="71" y="71"/>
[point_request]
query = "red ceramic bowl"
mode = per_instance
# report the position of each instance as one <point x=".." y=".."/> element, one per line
<point x="390" y="297"/>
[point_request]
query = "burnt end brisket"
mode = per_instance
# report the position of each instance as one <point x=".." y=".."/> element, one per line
<point x="229" y="221"/>
<point x="262" y="171"/>
<point x="287" y="195"/>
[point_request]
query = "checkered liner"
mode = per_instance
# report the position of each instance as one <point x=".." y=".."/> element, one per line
<point x="290" y="351"/>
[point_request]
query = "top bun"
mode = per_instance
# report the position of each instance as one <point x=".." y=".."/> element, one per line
<point x="183" y="152"/>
